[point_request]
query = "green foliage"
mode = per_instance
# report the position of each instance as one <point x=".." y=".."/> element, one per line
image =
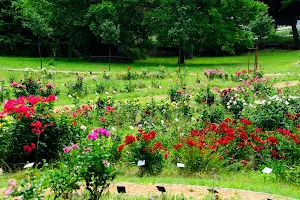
<point x="262" y="26"/>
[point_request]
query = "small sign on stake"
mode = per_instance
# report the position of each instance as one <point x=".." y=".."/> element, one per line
<point x="29" y="165"/>
<point x="141" y="163"/>
<point x="267" y="170"/>
<point x="180" y="165"/>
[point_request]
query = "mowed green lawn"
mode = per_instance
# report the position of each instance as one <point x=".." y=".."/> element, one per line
<point x="272" y="61"/>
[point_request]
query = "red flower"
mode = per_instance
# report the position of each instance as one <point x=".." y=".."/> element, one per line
<point x="120" y="148"/>
<point x="102" y="120"/>
<point x="178" y="146"/>
<point x="191" y="143"/>
<point x="153" y="134"/>
<point x="274" y="154"/>
<point x="158" y="145"/>
<point x="128" y="68"/>
<point x="146" y="137"/>
<point x="195" y="133"/>
<point x="167" y="155"/>
<point x="245" y="121"/>
<point x="27" y="149"/>
<point x="149" y="136"/>
<point x="257" y="148"/>
<point x="33" y="146"/>
<point x="244" y="162"/>
<point x="129" y="139"/>
<point x="243" y="135"/>
<point x="151" y="149"/>
<point x="272" y="140"/>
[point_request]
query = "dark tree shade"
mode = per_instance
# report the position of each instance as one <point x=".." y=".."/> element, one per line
<point x="286" y="12"/>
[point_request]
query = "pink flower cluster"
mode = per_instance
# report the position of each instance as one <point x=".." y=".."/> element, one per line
<point x="96" y="132"/>
<point x="70" y="148"/>
<point x="50" y="85"/>
<point x="213" y="71"/>
<point x="102" y="131"/>
<point x="24" y="106"/>
<point x="14" y="84"/>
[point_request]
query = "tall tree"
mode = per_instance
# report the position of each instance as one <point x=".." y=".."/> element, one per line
<point x="286" y="12"/>
<point x="33" y="12"/>
<point x="205" y="23"/>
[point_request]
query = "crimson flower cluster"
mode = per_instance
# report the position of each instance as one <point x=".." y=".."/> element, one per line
<point x="24" y="106"/>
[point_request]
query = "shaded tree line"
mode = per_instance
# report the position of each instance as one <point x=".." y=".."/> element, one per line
<point x="78" y="28"/>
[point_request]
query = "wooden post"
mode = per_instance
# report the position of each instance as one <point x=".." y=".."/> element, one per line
<point x="249" y="53"/>
<point x="40" y="53"/>
<point x="256" y="58"/>
<point x="109" y="57"/>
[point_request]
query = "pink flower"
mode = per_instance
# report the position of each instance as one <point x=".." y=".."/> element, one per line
<point x="14" y="84"/>
<point x="50" y="85"/>
<point x="12" y="182"/>
<point x="74" y="146"/>
<point x="87" y="149"/>
<point x="27" y="149"/>
<point x="105" y="163"/>
<point x="93" y="136"/>
<point x="102" y="131"/>
<point x="67" y="149"/>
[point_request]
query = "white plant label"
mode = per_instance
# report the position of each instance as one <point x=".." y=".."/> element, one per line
<point x="267" y="170"/>
<point x="28" y="165"/>
<point x="180" y="165"/>
<point x="141" y="163"/>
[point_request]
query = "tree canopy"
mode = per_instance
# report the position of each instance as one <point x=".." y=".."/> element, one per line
<point x="79" y="26"/>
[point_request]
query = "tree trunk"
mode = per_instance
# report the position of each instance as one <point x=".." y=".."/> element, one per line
<point x="181" y="55"/>
<point x="40" y="54"/>
<point x="296" y="36"/>
<point x="109" y="57"/>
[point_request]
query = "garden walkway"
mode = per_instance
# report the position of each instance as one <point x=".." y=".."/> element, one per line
<point x="192" y="191"/>
<point x="188" y="191"/>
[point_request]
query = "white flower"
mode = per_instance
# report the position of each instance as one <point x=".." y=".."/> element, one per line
<point x="160" y="87"/>
<point x="228" y="107"/>
<point x="234" y="103"/>
<point x="181" y="134"/>
<point x="114" y="91"/>
<point x="70" y="96"/>
<point x="162" y="122"/>
<point x="113" y="128"/>
<point x="106" y="92"/>
<point x="83" y="127"/>
<point x="93" y="77"/>
<point x="286" y="103"/>
<point x="176" y="119"/>
<point x="131" y="127"/>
